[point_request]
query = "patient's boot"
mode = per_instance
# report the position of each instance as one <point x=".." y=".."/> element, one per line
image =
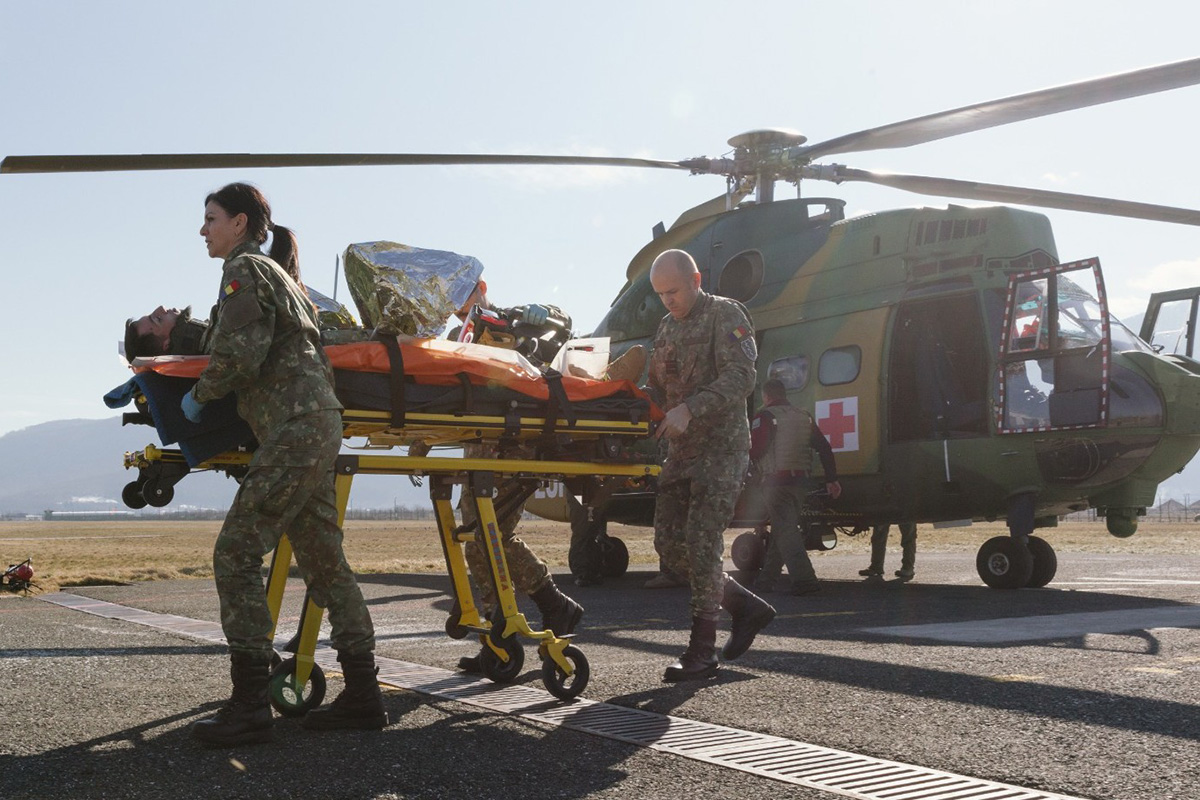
<point x="360" y="705"/>
<point x="699" y="661"/>
<point x="560" y="613"/>
<point x="750" y="615"/>
<point x="246" y="716"/>
<point x="629" y="366"/>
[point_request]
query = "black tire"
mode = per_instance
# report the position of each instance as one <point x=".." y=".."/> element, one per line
<point x="747" y="551"/>
<point x="1045" y="562"/>
<point x="561" y="685"/>
<point x="503" y="671"/>
<point x="132" y="495"/>
<point x="614" y="557"/>
<point x="158" y="496"/>
<point x="1004" y="563"/>
<point x="453" y="629"/>
<point x="290" y="700"/>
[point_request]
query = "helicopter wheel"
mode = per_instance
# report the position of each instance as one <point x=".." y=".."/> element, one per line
<point x="747" y="551"/>
<point x="1004" y="563"/>
<point x="614" y="557"/>
<point x="1045" y="562"/>
<point x="290" y="700"/>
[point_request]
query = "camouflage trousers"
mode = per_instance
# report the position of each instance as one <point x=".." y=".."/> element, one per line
<point x="690" y="518"/>
<point x="528" y="572"/>
<point x="289" y="489"/>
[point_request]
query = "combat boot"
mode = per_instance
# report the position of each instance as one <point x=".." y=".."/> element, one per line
<point x="360" y="705"/>
<point x="699" y="661"/>
<point x="246" y="717"/>
<point x="560" y="613"/>
<point x="750" y="615"/>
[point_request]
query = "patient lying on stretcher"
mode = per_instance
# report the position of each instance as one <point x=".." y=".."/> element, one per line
<point x="172" y="331"/>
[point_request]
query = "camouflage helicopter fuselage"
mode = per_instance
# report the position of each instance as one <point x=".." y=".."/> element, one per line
<point x="895" y="329"/>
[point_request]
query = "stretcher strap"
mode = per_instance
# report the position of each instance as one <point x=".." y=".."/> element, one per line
<point x="558" y="402"/>
<point x="395" y="380"/>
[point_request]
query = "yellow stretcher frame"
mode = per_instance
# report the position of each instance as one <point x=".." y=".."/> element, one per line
<point x="297" y="684"/>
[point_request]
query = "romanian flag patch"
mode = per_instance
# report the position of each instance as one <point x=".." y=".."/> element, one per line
<point x="231" y="287"/>
<point x="743" y="336"/>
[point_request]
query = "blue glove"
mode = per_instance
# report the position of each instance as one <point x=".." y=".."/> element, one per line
<point x="535" y="314"/>
<point x="191" y="407"/>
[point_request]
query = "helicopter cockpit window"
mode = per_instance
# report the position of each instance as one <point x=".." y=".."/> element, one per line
<point x="792" y="371"/>
<point x="839" y="365"/>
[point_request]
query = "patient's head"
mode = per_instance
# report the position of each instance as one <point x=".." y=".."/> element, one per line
<point x="150" y="335"/>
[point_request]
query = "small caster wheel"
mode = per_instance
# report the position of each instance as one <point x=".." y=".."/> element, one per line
<point x="132" y="495"/>
<point x="559" y="683"/>
<point x="453" y="629"/>
<point x="614" y="557"/>
<point x="290" y="700"/>
<point x="502" y="671"/>
<point x="158" y="496"/>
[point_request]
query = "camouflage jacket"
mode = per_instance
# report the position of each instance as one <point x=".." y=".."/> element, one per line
<point x="265" y="346"/>
<point x="705" y="360"/>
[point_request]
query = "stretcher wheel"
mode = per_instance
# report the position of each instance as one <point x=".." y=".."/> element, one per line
<point x="747" y="551"/>
<point x="453" y="629"/>
<point x="561" y="685"/>
<point x="503" y="671"/>
<point x="158" y="496"/>
<point x="290" y="700"/>
<point x="615" y="557"/>
<point x="132" y="495"/>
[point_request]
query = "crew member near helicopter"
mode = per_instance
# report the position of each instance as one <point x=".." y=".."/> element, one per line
<point x="529" y="573"/>
<point x="783" y="439"/>
<point x="264" y="346"/>
<point x="702" y="371"/>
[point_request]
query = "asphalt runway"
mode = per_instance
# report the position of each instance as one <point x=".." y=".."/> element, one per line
<point x="1088" y="688"/>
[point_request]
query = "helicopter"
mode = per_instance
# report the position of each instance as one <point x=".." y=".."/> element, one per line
<point x="960" y="370"/>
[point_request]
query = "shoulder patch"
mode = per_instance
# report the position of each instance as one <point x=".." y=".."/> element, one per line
<point x="744" y="337"/>
<point x="239" y="309"/>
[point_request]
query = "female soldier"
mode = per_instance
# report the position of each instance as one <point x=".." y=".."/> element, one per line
<point x="265" y="347"/>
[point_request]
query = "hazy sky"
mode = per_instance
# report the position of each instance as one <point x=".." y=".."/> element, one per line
<point x="80" y="253"/>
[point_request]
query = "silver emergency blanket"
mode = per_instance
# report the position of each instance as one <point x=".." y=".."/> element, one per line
<point x="410" y="290"/>
<point x="330" y="313"/>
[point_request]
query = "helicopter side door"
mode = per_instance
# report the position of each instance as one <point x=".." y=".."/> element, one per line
<point x="1056" y="349"/>
<point x="1170" y="322"/>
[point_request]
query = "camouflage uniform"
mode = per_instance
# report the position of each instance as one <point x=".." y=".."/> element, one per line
<point x="264" y="346"/>
<point x="705" y="360"/>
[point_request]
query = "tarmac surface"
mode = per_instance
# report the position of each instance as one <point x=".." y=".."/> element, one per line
<point x="1088" y="688"/>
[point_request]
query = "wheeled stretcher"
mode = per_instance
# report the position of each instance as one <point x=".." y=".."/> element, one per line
<point x="434" y="393"/>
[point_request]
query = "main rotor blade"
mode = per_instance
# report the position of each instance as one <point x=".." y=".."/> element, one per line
<point x="1010" y="109"/>
<point x="110" y="163"/>
<point x="969" y="190"/>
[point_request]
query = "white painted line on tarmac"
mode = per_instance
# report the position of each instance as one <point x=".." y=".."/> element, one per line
<point x="1050" y="626"/>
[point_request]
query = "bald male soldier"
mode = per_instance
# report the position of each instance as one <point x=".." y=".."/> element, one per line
<point x="702" y="371"/>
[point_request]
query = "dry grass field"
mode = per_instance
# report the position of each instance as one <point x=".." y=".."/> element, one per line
<point x="78" y="553"/>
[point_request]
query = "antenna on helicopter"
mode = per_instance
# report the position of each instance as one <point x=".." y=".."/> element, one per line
<point x="337" y="266"/>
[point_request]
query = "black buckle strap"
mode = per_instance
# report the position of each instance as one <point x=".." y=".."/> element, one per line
<point x="395" y="379"/>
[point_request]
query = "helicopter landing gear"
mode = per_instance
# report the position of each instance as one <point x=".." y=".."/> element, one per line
<point x="1045" y="562"/>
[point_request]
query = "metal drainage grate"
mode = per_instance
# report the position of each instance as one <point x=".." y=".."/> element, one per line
<point x="822" y="768"/>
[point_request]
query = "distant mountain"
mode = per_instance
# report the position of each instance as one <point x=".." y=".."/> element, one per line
<point x="76" y="465"/>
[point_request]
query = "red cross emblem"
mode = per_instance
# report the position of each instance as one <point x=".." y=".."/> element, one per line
<point x="838" y="420"/>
